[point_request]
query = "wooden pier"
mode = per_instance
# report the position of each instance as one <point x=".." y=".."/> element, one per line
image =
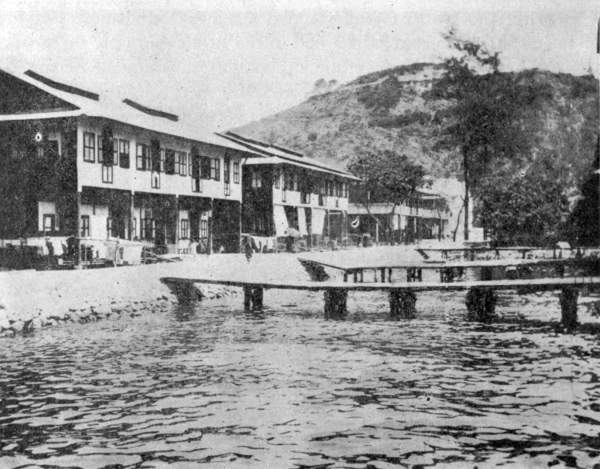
<point x="480" y="297"/>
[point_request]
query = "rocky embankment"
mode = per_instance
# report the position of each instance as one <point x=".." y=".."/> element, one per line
<point x="32" y="300"/>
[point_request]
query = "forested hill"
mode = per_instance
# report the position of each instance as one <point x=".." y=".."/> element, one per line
<point x="393" y="109"/>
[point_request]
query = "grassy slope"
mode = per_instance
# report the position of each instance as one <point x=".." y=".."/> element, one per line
<point x="390" y="109"/>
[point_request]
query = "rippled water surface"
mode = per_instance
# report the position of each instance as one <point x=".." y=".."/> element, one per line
<point x="213" y="386"/>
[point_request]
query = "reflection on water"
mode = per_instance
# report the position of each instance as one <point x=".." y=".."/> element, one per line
<point x="216" y="386"/>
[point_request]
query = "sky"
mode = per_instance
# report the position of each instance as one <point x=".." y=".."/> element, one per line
<point x="221" y="64"/>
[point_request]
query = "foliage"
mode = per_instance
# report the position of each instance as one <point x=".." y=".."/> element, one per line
<point x="403" y="120"/>
<point x="583" y="227"/>
<point x="484" y="118"/>
<point x="524" y="207"/>
<point x="386" y="176"/>
<point x="382" y="97"/>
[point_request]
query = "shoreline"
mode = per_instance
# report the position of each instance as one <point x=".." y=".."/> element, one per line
<point x="31" y="300"/>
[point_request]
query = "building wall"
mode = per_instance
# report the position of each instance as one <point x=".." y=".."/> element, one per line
<point x="137" y="180"/>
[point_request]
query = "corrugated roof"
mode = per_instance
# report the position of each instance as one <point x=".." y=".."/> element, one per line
<point x="288" y="156"/>
<point x="114" y="109"/>
<point x="275" y="160"/>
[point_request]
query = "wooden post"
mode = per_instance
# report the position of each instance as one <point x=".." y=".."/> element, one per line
<point x="335" y="303"/>
<point x="78" y="233"/>
<point x="177" y="224"/>
<point x="568" y="307"/>
<point x="253" y="298"/>
<point x="481" y="304"/>
<point x="403" y="304"/>
<point x="185" y="292"/>
<point x="131" y="213"/>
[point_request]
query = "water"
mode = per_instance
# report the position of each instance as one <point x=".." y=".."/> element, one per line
<point x="212" y="386"/>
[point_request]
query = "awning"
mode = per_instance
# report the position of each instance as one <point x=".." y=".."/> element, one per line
<point x="281" y="222"/>
<point x="302" y="221"/>
<point x="318" y="221"/>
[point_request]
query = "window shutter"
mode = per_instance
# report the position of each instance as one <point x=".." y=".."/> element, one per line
<point x="155" y="155"/>
<point x="169" y="162"/>
<point x="205" y="168"/>
<point x="195" y="163"/>
<point x="107" y="146"/>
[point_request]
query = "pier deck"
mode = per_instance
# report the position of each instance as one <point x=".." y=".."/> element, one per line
<point x="480" y="298"/>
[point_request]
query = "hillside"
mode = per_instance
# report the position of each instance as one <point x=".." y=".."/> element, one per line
<point x="391" y="109"/>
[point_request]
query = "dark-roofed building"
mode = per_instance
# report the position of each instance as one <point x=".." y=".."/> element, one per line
<point x="286" y="192"/>
<point x="74" y="163"/>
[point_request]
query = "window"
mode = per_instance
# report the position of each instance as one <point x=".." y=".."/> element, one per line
<point x="85" y="225"/>
<point x="89" y="147"/>
<point x="155" y="155"/>
<point x="227" y="175"/>
<point x="49" y="222"/>
<point x="276" y="178"/>
<point x="215" y="169"/>
<point x="100" y="149"/>
<point x="295" y="181"/>
<point x="115" y="145"/>
<point x="169" y="161"/>
<point x="183" y="163"/>
<point x="107" y="174"/>
<point x="226" y="169"/>
<point x="155" y="180"/>
<point x="142" y="157"/>
<point x="195" y="172"/>
<point x="185" y="228"/>
<point x="162" y="160"/>
<point x="124" y="153"/>
<point x="236" y="172"/>
<point x="205" y="165"/>
<point x="109" y="226"/>
<point x="204" y="228"/>
<point x="256" y="181"/>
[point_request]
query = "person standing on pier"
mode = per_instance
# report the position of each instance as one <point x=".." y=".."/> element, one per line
<point x="248" y="249"/>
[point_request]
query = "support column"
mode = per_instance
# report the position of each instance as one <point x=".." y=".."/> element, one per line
<point x="131" y="213"/>
<point x="253" y="298"/>
<point x="78" y="224"/>
<point x="335" y="303"/>
<point x="481" y="304"/>
<point x="568" y="307"/>
<point x="403" y="304"/>
<point x="177" y="223"/>
<point x="210" y="226"/>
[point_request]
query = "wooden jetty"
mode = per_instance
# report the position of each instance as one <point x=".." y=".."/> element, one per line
<point x="448" y="271"/>
<point x="480" y="298"/>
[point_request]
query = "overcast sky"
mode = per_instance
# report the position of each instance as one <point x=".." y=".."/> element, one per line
<point x="222" y="63"/>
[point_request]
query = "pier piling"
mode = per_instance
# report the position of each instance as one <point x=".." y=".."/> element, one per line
<point x="186" y="292"/>
<point x="253" y="298"/>
<point x="335" y="303"/>
<point x="481" y="304"/>
<point x="568" y="307"/>
<point x="403" y="304"/>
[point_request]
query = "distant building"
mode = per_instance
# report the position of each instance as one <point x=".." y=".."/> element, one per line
<point x="74" y="163"/>
<point x="425" y="216"/>
<point x="284" y="189"/>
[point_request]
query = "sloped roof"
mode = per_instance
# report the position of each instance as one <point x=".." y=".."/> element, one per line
<point x="127" y="111"/>
<point x="281" y="155"/>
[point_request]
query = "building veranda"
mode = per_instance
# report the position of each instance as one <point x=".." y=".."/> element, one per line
<point x="85" y="176"/>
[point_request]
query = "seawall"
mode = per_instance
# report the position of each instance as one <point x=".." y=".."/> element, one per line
<point x="31" y="300"/>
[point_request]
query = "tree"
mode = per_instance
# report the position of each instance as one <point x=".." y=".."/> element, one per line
<point x="524" y="207"/>
<point x="386" y="177"/>
<point x="483" y="117"/>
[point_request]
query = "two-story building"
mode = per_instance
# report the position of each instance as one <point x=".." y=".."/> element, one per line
<point x="77" y="164"/>
<point x="424" y="216"/>
<point x="285" y="192"/>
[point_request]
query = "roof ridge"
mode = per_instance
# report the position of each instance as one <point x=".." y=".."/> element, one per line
<point x="62" y="86"/>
